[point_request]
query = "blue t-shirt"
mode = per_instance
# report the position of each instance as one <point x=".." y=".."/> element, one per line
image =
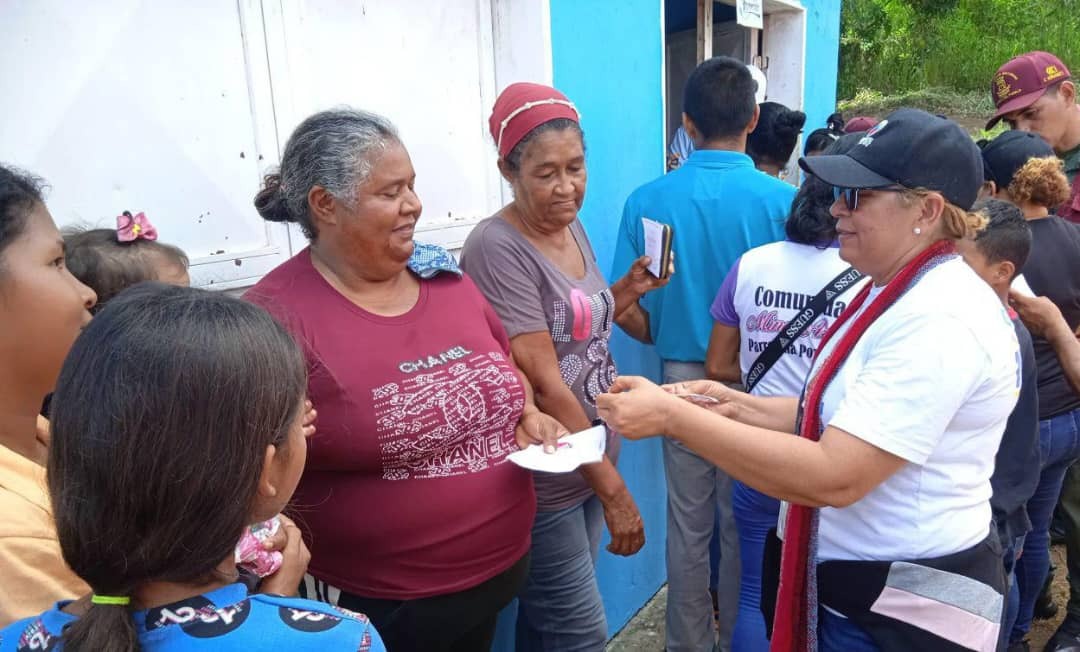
<point x="225" y="619"/>
<point x="719" y="206"/>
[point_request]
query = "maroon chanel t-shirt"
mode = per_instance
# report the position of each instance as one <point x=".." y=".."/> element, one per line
<point x="407" y="492"/>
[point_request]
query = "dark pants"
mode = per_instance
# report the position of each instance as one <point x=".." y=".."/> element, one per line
<point x="1070" y="515"/>
<point x="1059" y="441"/>
<point x="839" y="634"/>
<point x="456" y="622"/>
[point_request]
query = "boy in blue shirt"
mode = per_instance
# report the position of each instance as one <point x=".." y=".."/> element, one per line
<point x="719" y="206"/>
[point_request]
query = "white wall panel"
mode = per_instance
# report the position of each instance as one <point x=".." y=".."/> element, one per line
<point x="178" y="109"/>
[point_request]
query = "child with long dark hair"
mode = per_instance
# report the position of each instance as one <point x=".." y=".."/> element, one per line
<point x="153" y="477"/>
<point x="42" y="307"/>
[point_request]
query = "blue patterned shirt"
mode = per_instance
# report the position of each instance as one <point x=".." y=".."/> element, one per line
<point x="225" y="619"/>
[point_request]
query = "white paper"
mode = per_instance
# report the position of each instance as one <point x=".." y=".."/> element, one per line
<point x="585" y="447"/>
<point x="1020" y="284"/>
<point x="748" y="13"/>
<point x="654" y="244"/>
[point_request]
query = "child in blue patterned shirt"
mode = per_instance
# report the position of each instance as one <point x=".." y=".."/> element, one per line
<point x="178" y="421"/>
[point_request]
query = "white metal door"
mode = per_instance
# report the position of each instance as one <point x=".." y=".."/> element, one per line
<point x="156" y="107"/>
<point x="179" y="109"/>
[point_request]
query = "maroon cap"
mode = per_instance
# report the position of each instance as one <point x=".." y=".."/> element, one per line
<point x="1023" y="80"/>
<point x="860" y="123"/>
<point x="522" y="107"/>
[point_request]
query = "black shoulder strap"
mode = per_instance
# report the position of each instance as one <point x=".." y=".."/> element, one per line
<point x="798" y="325"/>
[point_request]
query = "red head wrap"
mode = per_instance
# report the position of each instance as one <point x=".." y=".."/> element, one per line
<point x="522" y="107"/>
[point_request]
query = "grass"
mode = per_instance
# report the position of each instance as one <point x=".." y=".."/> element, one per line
<point x="898" y="45"/>
<point x="970" y="109"/>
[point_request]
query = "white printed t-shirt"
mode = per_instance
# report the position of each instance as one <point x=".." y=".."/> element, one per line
<point x="765" y="289"/>
<point x="932" y="381"/>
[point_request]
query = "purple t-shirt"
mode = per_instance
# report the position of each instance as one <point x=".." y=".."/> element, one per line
<point x="530" y="295"/>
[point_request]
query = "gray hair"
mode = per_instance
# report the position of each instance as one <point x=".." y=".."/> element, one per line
<point x="333" y="149"/>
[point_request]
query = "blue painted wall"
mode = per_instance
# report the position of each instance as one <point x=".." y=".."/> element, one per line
<point x="607" y="58"/>
<point x="607" y="61"/>
<point x="822" y="60"/>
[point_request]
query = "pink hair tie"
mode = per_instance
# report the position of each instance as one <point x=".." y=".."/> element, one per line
<point x="134" y="227"/>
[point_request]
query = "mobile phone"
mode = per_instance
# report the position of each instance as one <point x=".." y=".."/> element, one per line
<point x="658" y="239"/>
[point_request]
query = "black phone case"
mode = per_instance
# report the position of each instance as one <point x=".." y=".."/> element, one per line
<point x="665" y="259"/>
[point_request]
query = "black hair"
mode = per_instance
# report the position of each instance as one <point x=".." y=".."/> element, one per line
<point x="810" y="221"/>
<point x="819" y="140"/>
<point x="1007" y="235"/>
<point x="513" y="159"/>
<point x="19" y="192"/>
<point x="773" y="139"/>
<point x="108" y="266"/>
<point x="151" y="474"/>
<point x="719" y="97"/>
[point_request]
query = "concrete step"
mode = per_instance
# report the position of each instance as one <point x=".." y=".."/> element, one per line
<point x="645" y="631"/>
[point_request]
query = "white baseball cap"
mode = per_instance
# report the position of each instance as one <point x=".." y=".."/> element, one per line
<point x="762" y="83"/>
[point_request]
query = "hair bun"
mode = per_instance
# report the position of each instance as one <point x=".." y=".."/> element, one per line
<point x="270" y="200"/>
<point x="790" y="122"/>
<point x="835" y="123"/>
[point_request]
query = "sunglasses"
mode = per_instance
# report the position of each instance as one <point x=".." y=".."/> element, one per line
<point x="851" y="195"/>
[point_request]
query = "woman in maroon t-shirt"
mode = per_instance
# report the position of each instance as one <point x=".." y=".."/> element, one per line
<point x="413" y="514"/>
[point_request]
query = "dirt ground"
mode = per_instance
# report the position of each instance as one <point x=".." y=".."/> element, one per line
<point x="645" y="632"/>
<point x="1042" y="630"/>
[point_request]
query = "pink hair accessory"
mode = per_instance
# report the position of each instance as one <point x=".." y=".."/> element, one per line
<point x="134" y="227"/>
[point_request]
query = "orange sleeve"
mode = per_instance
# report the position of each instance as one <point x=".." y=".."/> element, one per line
<point x="35" y="577"/>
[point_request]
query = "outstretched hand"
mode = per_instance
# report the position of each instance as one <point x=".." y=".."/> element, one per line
<point x="636" y="408"/>
<point x="708" y="394"/>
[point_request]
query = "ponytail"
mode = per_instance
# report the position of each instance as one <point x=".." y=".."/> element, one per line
<point x="774" y="138"/>
<point x="107" y="627"/>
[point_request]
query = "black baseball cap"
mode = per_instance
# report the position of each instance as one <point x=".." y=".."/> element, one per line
<point x="1009" y="152"/>
<point x="909" y="148"/>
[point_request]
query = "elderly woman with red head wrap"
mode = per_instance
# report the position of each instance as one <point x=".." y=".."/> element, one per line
<point x="534" y="263"/>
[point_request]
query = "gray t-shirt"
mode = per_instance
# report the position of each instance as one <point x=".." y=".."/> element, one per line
<point x="530" y="294"/>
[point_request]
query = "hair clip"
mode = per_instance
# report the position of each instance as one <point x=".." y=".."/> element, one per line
<point x="134" y="227"/>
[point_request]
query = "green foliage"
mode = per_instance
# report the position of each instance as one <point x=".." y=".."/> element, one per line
<point x="898" y="46"/>
<point x="869" y="102"/>
<point x="970" y="109"/>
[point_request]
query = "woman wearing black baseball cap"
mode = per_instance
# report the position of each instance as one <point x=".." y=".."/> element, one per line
<point x="887" y="542"/>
